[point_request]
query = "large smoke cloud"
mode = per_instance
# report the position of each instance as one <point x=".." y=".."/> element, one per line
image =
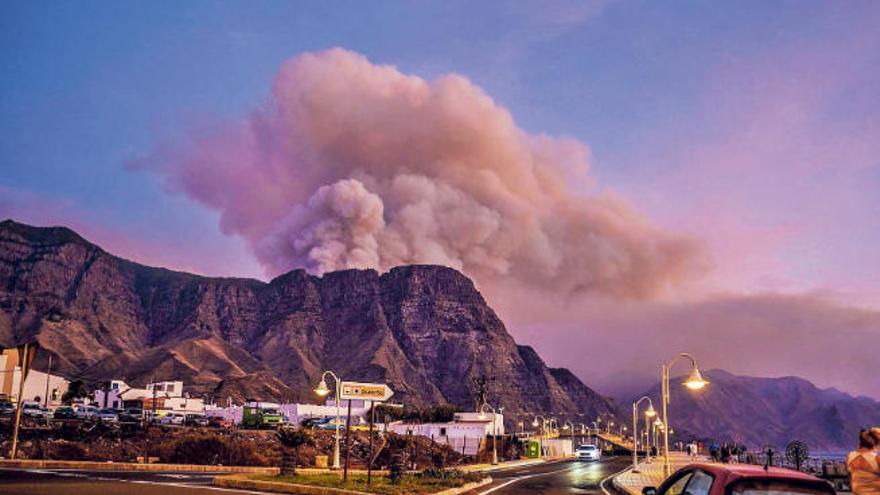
<point x="352" y="164"/>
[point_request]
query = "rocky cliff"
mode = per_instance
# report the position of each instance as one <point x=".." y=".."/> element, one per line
<point x="425" y="330"/>
<point x="769" y="411"/>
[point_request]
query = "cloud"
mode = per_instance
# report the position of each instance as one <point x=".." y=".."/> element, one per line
<point x="352" y="164"/>
<point x="618" y="346"/>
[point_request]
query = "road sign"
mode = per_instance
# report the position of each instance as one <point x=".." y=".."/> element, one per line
<point x="365" y="391"/>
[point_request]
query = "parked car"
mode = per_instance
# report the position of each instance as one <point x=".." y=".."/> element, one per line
<point x="84" y="411"/>
<point x="587" y="453"/>
<point x="131" y="415"/>
<point x="108" y="415"/>
<point x="330" y="424"/>
<point x="219" y="422"/>
<point x="6" y="407"/>
<point x="65" y="412"/>
<point x="739" y="479"/>
<point x="31" y="409"/>
<point x="310" y="422"/>
<point x="195" y="420"/>
<point x="173" y="418"/>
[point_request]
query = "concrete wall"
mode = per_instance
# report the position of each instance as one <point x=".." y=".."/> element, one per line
<point x="34" y="385"/>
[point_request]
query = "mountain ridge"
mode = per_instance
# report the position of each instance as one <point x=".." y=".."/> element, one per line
<point x="768" y="410"/>
<point x="424" y="329"/>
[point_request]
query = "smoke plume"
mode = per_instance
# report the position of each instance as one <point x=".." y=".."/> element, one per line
<point x="356" y="165"/>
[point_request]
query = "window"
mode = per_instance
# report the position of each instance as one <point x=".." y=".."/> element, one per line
<point x="677" y="486"/>
<point x="700" y="483"/>
<point x="442" y="432"/>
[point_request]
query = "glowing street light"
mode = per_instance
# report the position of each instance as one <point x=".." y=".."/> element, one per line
<point x="694" y="381"/>
<point x="649" y="413"/>
<point x="482" y="415"/>
<point x="323" y="391"/>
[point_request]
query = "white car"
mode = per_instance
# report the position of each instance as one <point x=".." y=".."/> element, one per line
<point x="173" y="418"/>
<point x="108" y="415"/>
<point x="588" y="453"/>
<point x="32" y="409"/>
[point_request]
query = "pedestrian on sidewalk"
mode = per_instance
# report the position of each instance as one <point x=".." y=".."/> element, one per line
<point x="725" y="453"/>
<point x="863" y="465"/>
<point x="713" y="451"/>
<point x="692" y="451"/>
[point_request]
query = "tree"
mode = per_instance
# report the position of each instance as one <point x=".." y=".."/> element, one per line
<point x="797" y="452"/>
<point x="76" y="390"/>
<point x="292" y="439"/>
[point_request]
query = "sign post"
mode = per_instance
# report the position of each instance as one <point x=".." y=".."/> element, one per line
<point x="377" y="392"/>
<point x="373" y="392"/>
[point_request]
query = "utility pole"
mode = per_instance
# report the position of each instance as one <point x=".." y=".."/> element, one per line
<point x="22" y="365"/>
<point x="48" y="375"/>
<point x="347" y="442"/>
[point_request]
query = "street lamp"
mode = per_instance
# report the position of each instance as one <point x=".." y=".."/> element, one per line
<point x="694" y="381"/>
<point x="323" y="390"/>
<point x="482" y="415"/>
<point x="649" y="413"/>
<point x="543" y="424"/>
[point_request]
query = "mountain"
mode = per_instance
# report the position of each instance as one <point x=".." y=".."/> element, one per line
<point x="761" y="411"/>
<point x="425" y="330"/>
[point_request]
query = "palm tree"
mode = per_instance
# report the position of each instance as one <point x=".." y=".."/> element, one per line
<point x="292" y="439"/>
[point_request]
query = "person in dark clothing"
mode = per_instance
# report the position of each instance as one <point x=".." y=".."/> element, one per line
<point x="713" y="451"/>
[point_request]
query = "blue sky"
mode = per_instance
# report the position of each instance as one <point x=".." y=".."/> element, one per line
<point x="90" y="86"/>
<point x="752" y="126"/>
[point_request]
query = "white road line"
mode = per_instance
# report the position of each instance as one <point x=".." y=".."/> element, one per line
<point x="141" y="482"/>
<point x="602" y="483"/>
<point x="520" y="478"/>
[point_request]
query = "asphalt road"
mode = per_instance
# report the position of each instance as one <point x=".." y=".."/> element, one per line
<point x="69" y="482"/>
<point x="557" y="478"/>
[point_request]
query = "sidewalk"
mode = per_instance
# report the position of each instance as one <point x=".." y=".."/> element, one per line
<point x="649" y="474"/>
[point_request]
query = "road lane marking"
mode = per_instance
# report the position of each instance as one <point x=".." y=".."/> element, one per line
<point x="520" y="478"/>
<point x="142" y="482"/>
<point x="602" y="483"/>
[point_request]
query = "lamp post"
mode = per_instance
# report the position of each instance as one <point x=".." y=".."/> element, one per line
<point x="543" y="430"/>
<point x="322" y="390"/>
<point x="494" y="430"/>
<point x="657" y="427"/>
<point x="543" y="424"/>
<point x="694" y="381"/>
<point x="649" y="413"/>
<point x="554" y="429"/>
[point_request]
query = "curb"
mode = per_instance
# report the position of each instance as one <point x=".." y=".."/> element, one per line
<point x="241" y="483"/>
<point x="134" y="466"/>
<point x="466" y="487"/>
<point x="621" y="488"/>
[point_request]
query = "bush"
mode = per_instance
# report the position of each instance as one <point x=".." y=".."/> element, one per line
<point x="199" y="450"/>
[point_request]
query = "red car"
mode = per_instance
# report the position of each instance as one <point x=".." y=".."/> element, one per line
<point x="739" y="479"/>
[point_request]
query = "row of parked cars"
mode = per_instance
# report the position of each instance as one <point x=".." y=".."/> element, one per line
<point x="33" y="410"/>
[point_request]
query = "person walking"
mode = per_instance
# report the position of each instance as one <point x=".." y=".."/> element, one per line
<point x="863" y="465"/>
<point x="692" y="451"/>
<point x="713" y="451"/>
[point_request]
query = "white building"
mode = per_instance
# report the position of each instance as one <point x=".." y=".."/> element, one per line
<point x="465" y="433"/>
<point x="295" y="413"/>
<point x="37" y="386"/>
<point x="162" y="396"/>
